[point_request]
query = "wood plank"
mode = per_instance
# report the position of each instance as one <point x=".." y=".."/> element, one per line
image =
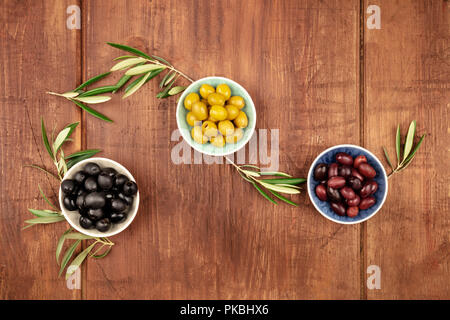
<point x="39" y="54"/>
<point x="407" y="76"/>
<point x="201" y="232"/>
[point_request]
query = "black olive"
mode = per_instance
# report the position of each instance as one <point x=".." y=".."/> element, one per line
<point x="95" y="214"/>
<point x="83" y="211"/>
<point x="79" y="177"/>
<point x="68" y="186"/>
<point x="95" y="200"/>
<point x="117" y="217"/>
<point x="80" y="201"/>
<point x="127" y="199"/>
<point x="92" y="169"/>
<point x="80" y="191"/>
<point x="109" y="195"/>
<point x="86" y="223"/>
<point x="110" y="171"/>
<point x="130" y="188"/>
<point x="333" y="194"/>
<point x="355" y="183"/>
<point x="321" y="172"/>
<point x="90" y="184"/>
<point x="118" y="205"/>
<point x="120" y="180"/>
<point x="69" y="203"/>
<point x="105" y="182"/>
<point x="103" y="225"/>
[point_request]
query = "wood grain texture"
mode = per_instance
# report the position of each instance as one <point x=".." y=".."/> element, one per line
<point x="201" y="231"/>
<point x="38" y="54"/>
<point x="407" y="68"/>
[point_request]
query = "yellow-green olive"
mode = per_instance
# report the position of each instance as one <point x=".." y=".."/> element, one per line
<point x="236" y="136"/>
<point x="211" y="118"/>
<point x="190" y="99"/>
<point x="206" y="90"/>
<point x="232" y="110"/>
<point x="226" y="127"/>
<point x="224" y="90"/>
<point x="218" y="141"/>
<point x="218" y="112"/>
<point x="241" y="120"/>
<point x="216" y="99"/>
<point x="198" y="136"/>
<point x="191" y="119"/>
<point x="209" y="129"/>
<point x="237" y="101"/>
<point x="200" y="110"/>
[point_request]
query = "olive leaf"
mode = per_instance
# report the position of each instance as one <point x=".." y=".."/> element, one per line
<point x="91" y="111"/>
<point x="124" y="79"/>
<point x="42" y="169"/>
<point x="99" y="90"/>
<point x="409" y="140"/>
<point x="161" y="60"/>
<point x="45" y="138"/>
<point x="274" y="173"/>
<point x="67" y="256"/>
<point x="176" y="90"/>
<point x="387" y="158"/>
<point x="278" y="188"/>
<point x="44" y="220"/>
<point x="127" y="63"/>
<point x="129" y="49"/>
<point x="92" y="80"/>
<point x="93" y="99"/>
<point x="292" y="181"/>
<point x="124" y="57"/>
<point x="60" y="138"/>
<point x="279" y="196"/>
<point x="78" y="260"/>
<point x="398" y="144"/>
<point x="70" y="94"/>
<point x="45" y="197"/>
<point x="143" y="69"/>
<point x="265" y="195"/>
<point x="137" y="86"/>
<point x="60" y="244"/>
<point x="89" y="152"/>
<point x="44" y="213"/>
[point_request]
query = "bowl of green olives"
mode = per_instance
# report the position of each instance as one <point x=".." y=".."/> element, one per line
<point x="99" y="197"/>
<point x="216" y="116"/>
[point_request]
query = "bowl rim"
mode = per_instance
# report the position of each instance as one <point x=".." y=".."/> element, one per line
<point x="130" y="217"/>
<point x="185" y="135"/>
<point x="310" y="174"/>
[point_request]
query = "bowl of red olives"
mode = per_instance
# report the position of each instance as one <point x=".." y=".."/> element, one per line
<point x="216" y="116"/>
<point x="99" y="197"/>
<point x="347" y="184"/>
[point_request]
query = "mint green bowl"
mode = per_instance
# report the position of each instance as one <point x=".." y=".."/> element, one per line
<point x="208" y="148"/>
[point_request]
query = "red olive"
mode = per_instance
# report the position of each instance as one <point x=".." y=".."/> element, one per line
<point x="354" y="202"/>
<point x="333" y="170"/>
<point x="336" y="182"/>
<point x="352" y="212"/>
<point x="359" y="160"/>
<point x="367" y="170"/>
<point x="320" y="172"/>
<point x="367" y="203"/>
<point x="333" y="195"/>
<point x="355" y="173"/>
<point x="345" y="171"/>
<point x="338" y="208"/>
<point x="344" y="158"/>
<point x="348" y="193"/>
<point x="321" y="192"/>
<point x="369" y="188"/>
<point x="355" y="183"/>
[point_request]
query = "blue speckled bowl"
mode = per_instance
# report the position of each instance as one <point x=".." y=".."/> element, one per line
<point x="328" y="156"/>
<point x="208" y="148"/>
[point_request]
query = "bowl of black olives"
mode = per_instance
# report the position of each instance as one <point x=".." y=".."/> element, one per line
<point x="99" y="197"/>
<point x="347" y="184"/>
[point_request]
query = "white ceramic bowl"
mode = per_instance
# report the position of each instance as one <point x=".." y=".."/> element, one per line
<point x="73" y="216"/>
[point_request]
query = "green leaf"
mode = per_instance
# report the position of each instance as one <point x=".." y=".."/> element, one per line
<point x="284" y="181"/>
<point x="60" y="138"/>
<point x="89" y="152"/>
<point x="72" y="128"/>
<point x="265" y="195"/>
<point x="397" y="144"/>
<point x="60" y="244"/>
<point x="69" y="94"/>
<point x="275" y="173"/>
<point x="124" y="57"/>
<point x="92" y="80"/>
<point x="143" y="69"/>
<point x="42" y="169"/>
<point x="104" y="254"/>
<point x="288" y="185"/>
<point x="249" y="166"/>
<point x="78" y="260"/>
<point x="279" y="196"/>
<point x="127" y="63"/>
<point x="153" y="74"/>
<point x="387" y="158"/>
<point x="45" y="138"/>
<point x="409" y="139"/>
<point x="166" y="77"/>
<point x="93" y="99"/>
<point x="128" y="49"/>
<point x="411" y="156"/>
<point x="74" y="161"/>
<point x="44" y="213"/>
<point x="165" y="93"/>
<point x="161" y="60"/>
<point x="98" y="90"/>
<point x="45" y="220"/>
<point x="45" y="198"/>
<point x="67" y="256"/>
<point x="278" y="188"/>
<point x="244" y="177"/>
<point x="176" y="90"/>
<point x="137" y="86"/>
<point x="250" y="173"/>
<point x="91" y="111"/>
<point x="78" y="236"/>
<point x="124" y="79"/>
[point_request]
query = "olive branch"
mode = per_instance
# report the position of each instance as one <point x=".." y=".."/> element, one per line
<point x="141" y="66"/>
<point x="46" y="216"/>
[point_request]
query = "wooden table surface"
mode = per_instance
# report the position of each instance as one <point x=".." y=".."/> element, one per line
<point x="315" y="72"/>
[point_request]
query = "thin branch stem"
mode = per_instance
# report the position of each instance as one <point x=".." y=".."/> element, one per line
<point x="171" y="68"/>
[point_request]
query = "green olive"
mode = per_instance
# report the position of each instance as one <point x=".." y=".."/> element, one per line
<point x="190" y="99"/>
<point x="236" y="136"/>
<point x="232" y="110"/>
<point x="224" y="90"/>
<point x="218" y="141"/>
<point x="206" y="90"/>
<point x="241" y="120"/>
<point x="226" y="127"/>
<point x="237" y="101"/>
<point x="200" y="110"/>
<point x="216" y="99"/>
<point x="209" y="129"/>
<point x="218" y="112"/>
<point x="198" y="136"/>
<point x="191" y="119"/>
